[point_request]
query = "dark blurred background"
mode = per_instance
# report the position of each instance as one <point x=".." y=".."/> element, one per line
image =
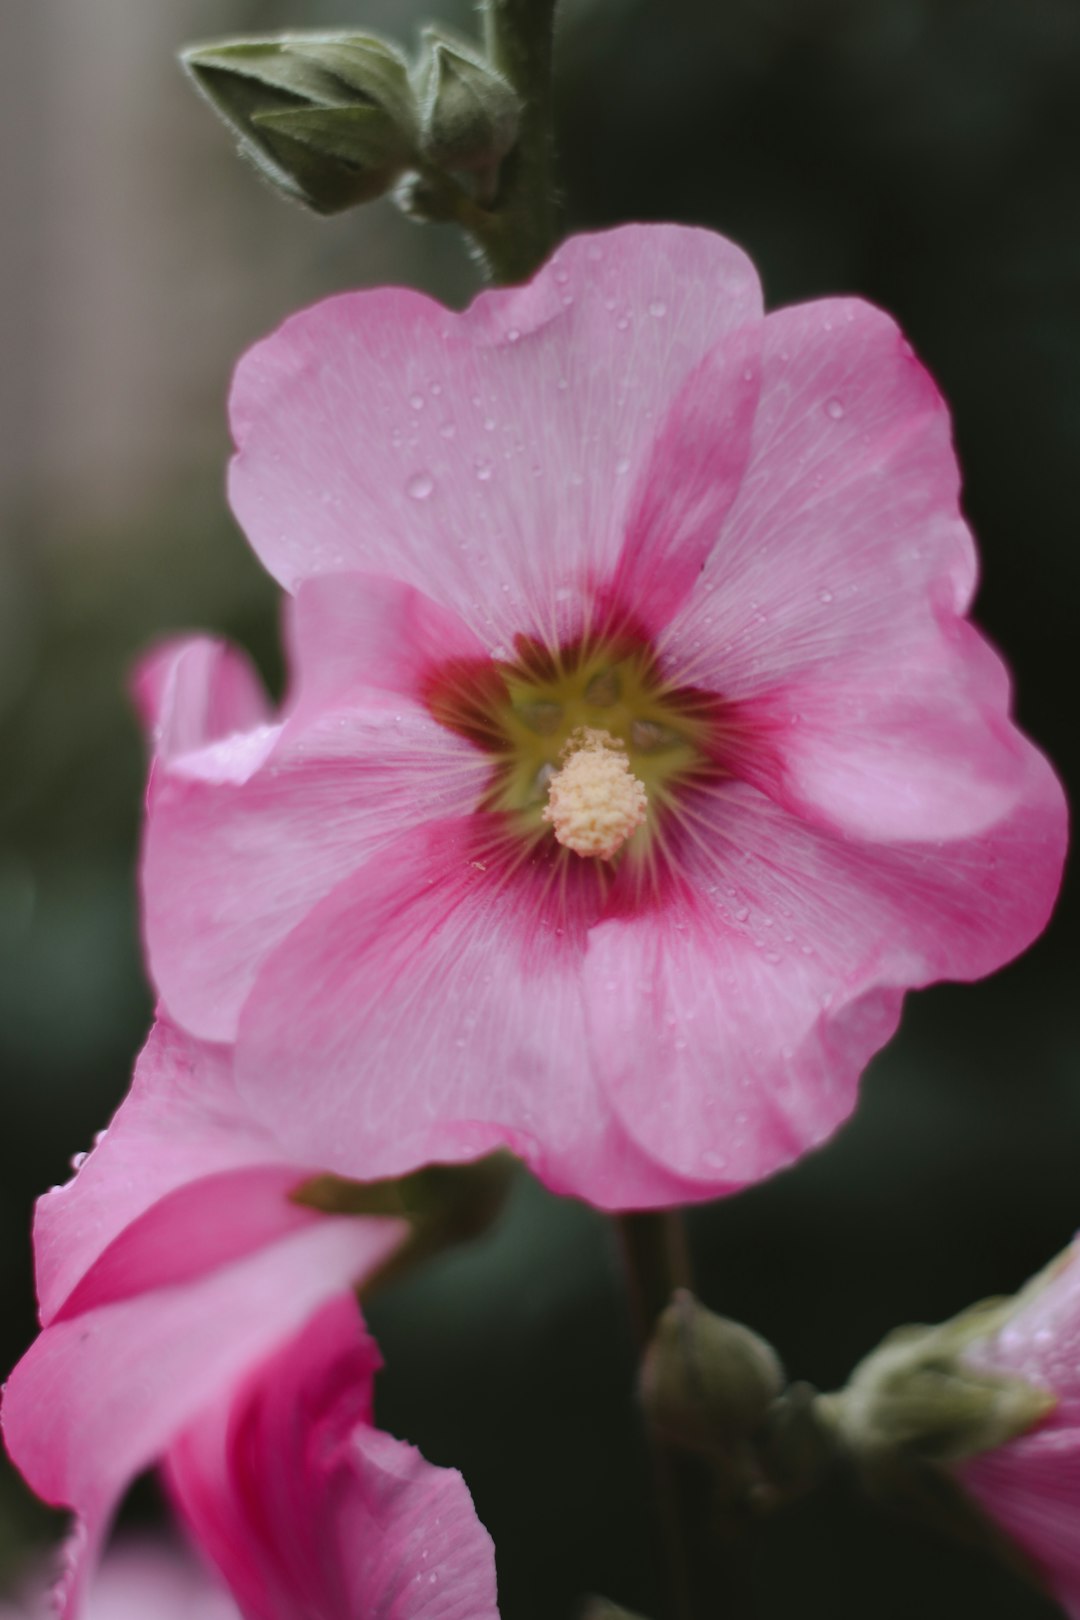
<point x="923" y="153"/>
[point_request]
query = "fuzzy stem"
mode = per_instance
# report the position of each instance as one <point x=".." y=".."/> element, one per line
<point x="517" y="235"/>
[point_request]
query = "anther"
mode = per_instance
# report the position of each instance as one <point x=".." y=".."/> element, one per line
<point x="594" y="802"/>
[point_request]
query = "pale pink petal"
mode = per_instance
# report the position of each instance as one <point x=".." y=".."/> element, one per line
<point x="487" y="458"/>
<point x="830" y="604"/>
<point x="430" y="1007"/>
<point x="685" y="489"/>
<point x="731" y="1028"/>
<point x="230" y="867"/>
<point x="98" y="1398"/>
<point x="181" y="1123"/>
<point x="307" y="1509"/>
<point x="194" y="691"/>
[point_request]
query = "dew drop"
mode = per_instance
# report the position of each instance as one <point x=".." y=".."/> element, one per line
<point x="834" y="409"/>
<point x="825" y="596"/>
<point x="78" y="1160"/>
<point x="416" y="401"/>
<point x="484" y="470"/>
<point x="622" y="466"/>
<point x="513" y="335"/>
<point x="658" y="309"/>
<point x="421" y="486"/>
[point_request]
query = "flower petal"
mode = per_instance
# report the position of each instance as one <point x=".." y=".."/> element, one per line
<point x="182" y="1126"/>
<point x="196" y="690"/>
<point x="229" y="867"/>
<point x="731" y="1029"/>
<point x="831" y="605"/>
<point x="692" y="476"/>
<point x="488" y="457"/>
<point x="431" y="1008"/>
<point x="96" y="1399"/>
<point x="307" y="1509"/>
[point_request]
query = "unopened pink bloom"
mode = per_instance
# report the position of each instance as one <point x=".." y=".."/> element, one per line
<point x="1031" y="1486"/>
<point x="173" y="1263"/>
<point x="618" y="509"/>
<point x="307" y="1509"/>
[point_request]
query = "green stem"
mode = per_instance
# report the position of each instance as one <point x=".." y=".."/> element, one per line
<point x="657" y="1261"/>
<point x="519" y="232"/>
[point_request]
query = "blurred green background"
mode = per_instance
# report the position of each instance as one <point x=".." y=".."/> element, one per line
<point x="923" y="153"/>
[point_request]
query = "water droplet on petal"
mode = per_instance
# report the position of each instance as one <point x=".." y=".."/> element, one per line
<point x="484" y="469"/>
<point x="834" y="408"/>
<point x="825" y="596"/>
<point x="78" y="1160"/>
<point x="416" y="401"/>
<point x="658" y="308"/>
<point x="421" y="486"/>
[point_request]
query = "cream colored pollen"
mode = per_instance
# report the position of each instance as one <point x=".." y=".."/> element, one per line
<point x="594" y="802"/>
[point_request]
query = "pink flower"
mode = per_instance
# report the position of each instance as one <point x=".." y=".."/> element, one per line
<point x="139" y="1580"/>
<point x="639" y="754"/>
<point x="1031" y="1486"/>
<point x="307" y="1509"/>
<point x="173" y="1263"/>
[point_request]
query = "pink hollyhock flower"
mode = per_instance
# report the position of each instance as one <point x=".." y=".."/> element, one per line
<point x="173" y="1263"/>
<point x="307" y="1509"/>
<point x="640" y="754"/>
<point x="1030" y="1487"/>
<point x="139" y="1580"/>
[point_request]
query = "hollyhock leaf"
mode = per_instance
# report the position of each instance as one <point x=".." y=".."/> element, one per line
<point x="306" y="1508"/>
<point x="98" y="1398"/>
<point x="525" y="418"/>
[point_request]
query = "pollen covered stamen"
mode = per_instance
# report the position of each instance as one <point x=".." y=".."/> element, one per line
<point x="594" y="802"/>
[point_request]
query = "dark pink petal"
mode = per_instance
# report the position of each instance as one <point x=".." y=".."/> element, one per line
<point x="487" y="458"/>
<point x="181" y="1134"/>
<point x="685" y="489"/>
<point x="98" y="1398"/>
<point x="308" y="1510"/>
<point x="231" y="866"/>
<point x="731" y="1029"/>
<point x="430" y="1008"/>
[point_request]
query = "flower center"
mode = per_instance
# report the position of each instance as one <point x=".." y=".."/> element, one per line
<point x="594" y="802"/>
<point x="588" y="742"/>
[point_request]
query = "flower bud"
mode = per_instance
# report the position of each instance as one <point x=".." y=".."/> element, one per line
<point x="916" y="1396"/>
<point x="469" y="114"/>
<point x="706" y="1380"/>
<point x="329" y="119"/>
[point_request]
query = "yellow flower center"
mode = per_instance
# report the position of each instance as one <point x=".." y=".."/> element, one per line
<point x="594" y="802"/>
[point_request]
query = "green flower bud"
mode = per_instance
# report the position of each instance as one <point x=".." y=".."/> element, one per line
<point x="915" y="1397"/>
<point x="469" y="114"/>
<point x="707" y="1381"/>
<point x="329" y="119"/>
